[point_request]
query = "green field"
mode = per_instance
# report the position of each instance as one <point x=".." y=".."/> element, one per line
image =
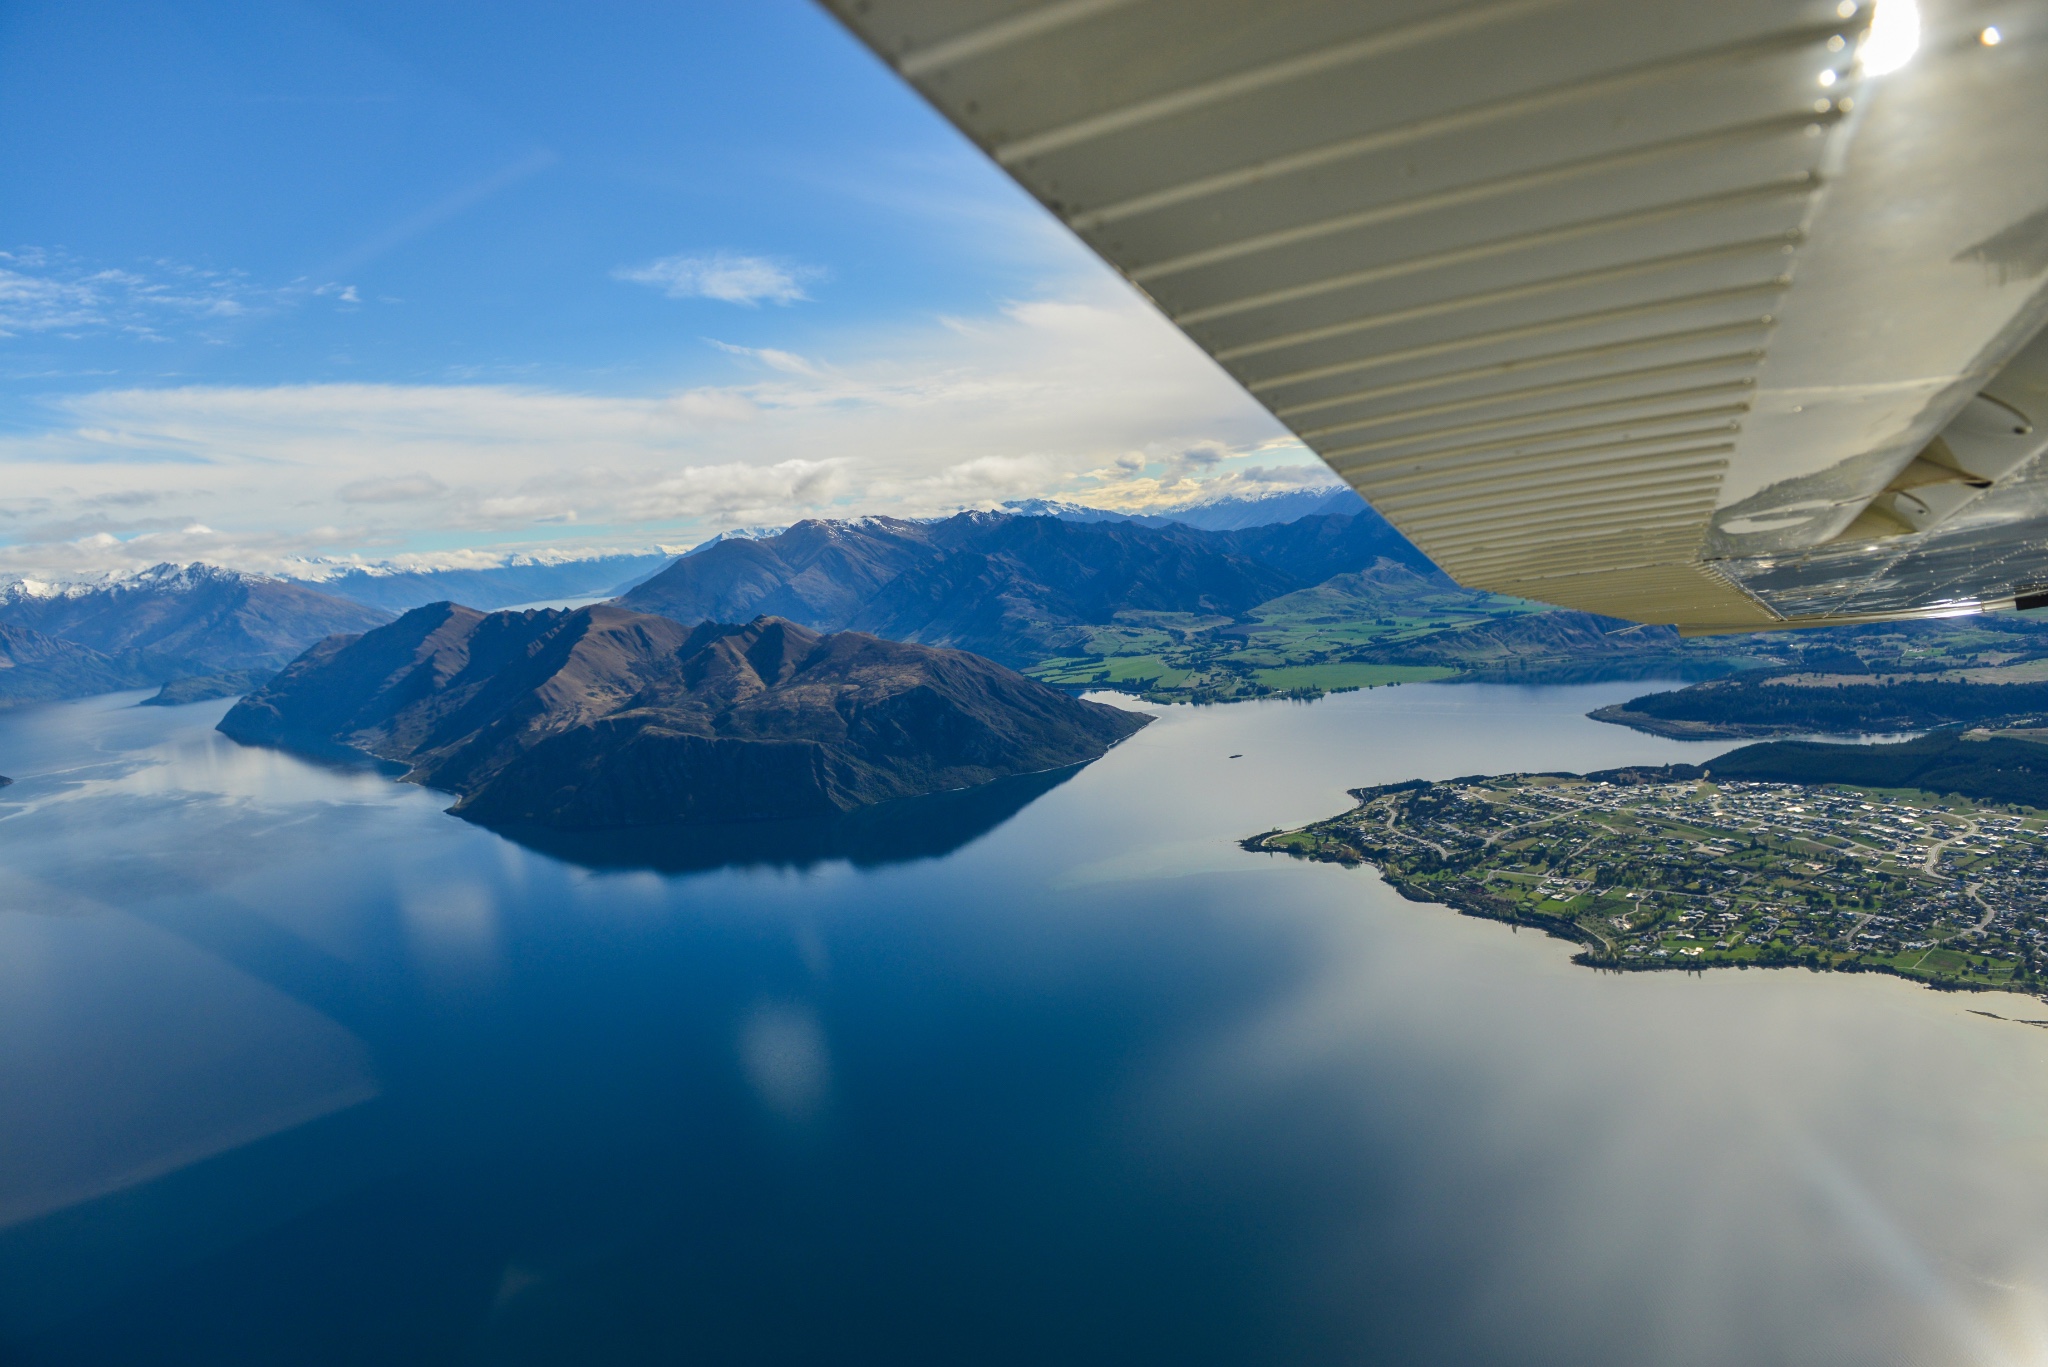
<point x="1332" y="636"/>
<point x="1112" y="670"/>
<point x="1391" y="624"/>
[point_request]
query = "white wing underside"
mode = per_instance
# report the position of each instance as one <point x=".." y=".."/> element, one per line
<point x="1608" y="303"/>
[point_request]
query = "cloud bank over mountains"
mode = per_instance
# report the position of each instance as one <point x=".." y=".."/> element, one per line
<point x="1085" y="396"/>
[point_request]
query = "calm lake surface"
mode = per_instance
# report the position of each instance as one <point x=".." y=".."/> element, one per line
<point x="296" y="1069"/>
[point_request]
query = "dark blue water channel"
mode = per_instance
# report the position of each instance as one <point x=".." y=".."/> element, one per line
<point x="297" y="1069"/>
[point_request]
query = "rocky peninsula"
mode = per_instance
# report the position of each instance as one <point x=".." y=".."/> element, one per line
<point x="603" y="717"/>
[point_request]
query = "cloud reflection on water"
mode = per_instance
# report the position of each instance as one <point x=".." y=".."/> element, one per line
<point x="1211" y="1108"/>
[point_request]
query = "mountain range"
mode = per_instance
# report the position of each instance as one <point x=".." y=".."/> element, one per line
<point x="39" y="668"/>
<point x="524" y="580"/>
<point x="166" y="624"/>
<point x="1175" y="612"/>
<point x="1017" y="589"/>
<point x="603" y="717"/>
<point x="201" y="631"/>
<point x="1216" y="514"/>
<point x="517" y="583"/>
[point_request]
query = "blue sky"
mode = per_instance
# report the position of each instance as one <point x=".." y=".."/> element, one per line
<point x="291" y="279"/>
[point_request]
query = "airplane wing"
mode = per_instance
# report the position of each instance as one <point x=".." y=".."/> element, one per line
<point x="1724" y="315"/>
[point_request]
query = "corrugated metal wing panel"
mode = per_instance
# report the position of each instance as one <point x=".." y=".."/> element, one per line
<point x="1525" y="272"/>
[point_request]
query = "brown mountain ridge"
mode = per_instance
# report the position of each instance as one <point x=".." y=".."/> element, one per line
<point x="1016" y="589"/>
<point x="604" y="717"/>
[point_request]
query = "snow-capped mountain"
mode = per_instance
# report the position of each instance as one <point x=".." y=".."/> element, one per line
<point x="164" y="623"/>
<point x="514" y="582"/>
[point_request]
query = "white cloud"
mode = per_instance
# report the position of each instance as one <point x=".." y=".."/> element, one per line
<point x="991" y="479"/>
<point x="34" y="299"/>
<point x="788" y="362"/>
<point x="1169" y="484"/>
<point x="1090" y="397"/>
<point x="47" y="292"/>
<point x="392" y="489"/>
<point x="728" y="276"/>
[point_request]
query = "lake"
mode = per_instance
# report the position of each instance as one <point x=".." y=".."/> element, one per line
<point x="297" y="1069"/>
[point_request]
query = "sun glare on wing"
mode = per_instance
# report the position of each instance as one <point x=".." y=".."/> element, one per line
<point x="1893" y="38"/>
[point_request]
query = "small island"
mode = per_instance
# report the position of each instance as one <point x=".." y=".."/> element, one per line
<point x="1670" y="868"/>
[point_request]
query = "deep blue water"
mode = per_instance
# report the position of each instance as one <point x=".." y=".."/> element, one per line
<point x="297" y="1069"/>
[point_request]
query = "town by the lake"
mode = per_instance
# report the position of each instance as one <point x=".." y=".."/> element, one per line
<point x="1653" y="872"/>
